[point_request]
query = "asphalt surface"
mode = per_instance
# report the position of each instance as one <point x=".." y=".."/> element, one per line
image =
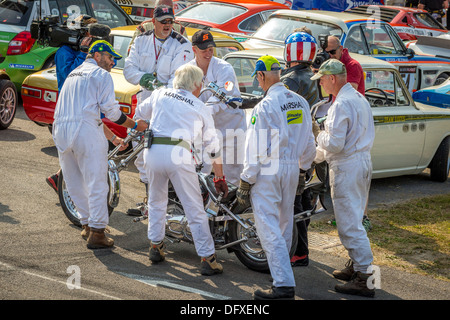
<point x="43" y="257"/>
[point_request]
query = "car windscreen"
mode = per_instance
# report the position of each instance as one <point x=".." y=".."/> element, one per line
<point x="15" y="12"/>
<point x="279" y="27"/>
<point x="121" y="44"/>
<point x="211" y="12"/>
<point x="427" y="20"/>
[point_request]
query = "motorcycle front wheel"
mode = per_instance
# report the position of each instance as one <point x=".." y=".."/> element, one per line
<point x="69" y="208"/>
<point x="250" y="252"/>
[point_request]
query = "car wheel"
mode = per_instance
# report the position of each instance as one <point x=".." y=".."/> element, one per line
<point x="440" y="165"/>
<point x="8" y="103"/>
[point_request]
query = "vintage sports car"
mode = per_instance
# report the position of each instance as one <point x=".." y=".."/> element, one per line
<point x="40" y="90"/>
<point x="410" y="23"/>
<point x="359" y="34"/>
<point x="409" y="136"/>
<point x="237" y="16"/>
<point x="438" y="96"/>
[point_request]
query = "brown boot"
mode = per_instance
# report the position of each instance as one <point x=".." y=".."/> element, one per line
<point x="346" y="273"/>
<point x="97" y="239"/>
<point x="357" y="286"/>
<point x="210" y="266"/>
<point x="85" y="231"/>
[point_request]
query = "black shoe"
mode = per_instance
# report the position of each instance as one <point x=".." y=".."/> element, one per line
<point x="52" y="181"/>
<point x="275" y="293"/>
<point x="296" y="261"/>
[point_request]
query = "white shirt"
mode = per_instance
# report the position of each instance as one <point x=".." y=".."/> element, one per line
<point x="280" y="130"/>
<point x="178" y="114"/>
<point x="149" y="55"/>
<point x="87" y="92"/>
<point x="349" y="127"/>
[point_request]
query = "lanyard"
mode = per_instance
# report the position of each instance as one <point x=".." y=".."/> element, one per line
<point x="156" y="53"/>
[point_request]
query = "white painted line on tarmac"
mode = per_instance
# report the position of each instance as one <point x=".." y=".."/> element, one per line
<point x="57" y="281"/>
<point x="154" y="282"/>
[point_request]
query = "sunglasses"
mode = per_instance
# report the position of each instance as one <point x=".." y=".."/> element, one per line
<point x="332" y="51"/>
<point x="166" y="21"/>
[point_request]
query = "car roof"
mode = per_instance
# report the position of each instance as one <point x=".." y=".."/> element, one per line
<point x="246" y="3"/>
<point x="278" y="53"/>
<point x="339" y="18"/>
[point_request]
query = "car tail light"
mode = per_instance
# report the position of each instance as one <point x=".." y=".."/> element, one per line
<point x="125" y="108"/>
<point x="36" y="93"/>
<point x="20" y="44"/>
<point x="129" y="109"/>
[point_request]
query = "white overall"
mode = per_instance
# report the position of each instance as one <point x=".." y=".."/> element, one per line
<point x="178" y="114"/>
<point x="345" y="144"/>
<point x="281" y="122"/>
<point x="80" y="139"/>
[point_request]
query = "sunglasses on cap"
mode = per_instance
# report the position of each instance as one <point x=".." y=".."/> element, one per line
<point x="166" y="21"/>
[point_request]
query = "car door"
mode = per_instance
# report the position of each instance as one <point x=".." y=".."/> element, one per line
<point x="399" y="125"/>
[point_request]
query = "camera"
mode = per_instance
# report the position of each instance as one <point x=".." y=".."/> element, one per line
<point x="49" y="32"/>
<point x="322" y="56"/>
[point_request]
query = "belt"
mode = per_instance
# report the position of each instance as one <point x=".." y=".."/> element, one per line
<point x="172" y="142"/>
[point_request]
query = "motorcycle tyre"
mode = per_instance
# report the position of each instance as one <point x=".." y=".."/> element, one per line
<point x="70" y="212"/>
<point x="246" y="259"/>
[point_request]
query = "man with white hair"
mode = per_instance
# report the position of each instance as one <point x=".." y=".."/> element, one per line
<point x="280" y="136"/>
<point x="178" y="118"/>
<point x="345" y="144"/>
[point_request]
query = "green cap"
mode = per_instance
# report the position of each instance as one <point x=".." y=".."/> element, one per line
<point x="266" y="63"/>
<point x="331" y="66"/>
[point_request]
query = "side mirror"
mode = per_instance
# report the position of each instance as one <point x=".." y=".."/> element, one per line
<point x="409" y="53"/>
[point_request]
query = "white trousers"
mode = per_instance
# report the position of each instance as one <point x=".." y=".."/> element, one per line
<point x="350" y="184"/>
<point x="162" y="163"/>
<point x="272" y="198"/>
<point x="85" y="170"/>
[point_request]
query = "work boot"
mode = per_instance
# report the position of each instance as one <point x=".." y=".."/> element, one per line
<point x="85" y="232"/>
<point x="275" y="293"/>
<point x="157" y="252"/>
<point x="210" y="266"/>
<point x="98" y="240"/>
<point x="357" y="286"/>
<point x="52" y="181"/>
<point x="346" y="273"/>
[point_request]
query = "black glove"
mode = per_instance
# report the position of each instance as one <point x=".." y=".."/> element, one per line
<point x="301" y="182"/>
<point x="250" y="102"/>
<point x="243" y="193"/>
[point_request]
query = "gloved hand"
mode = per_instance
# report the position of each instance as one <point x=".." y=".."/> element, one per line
<point x="147" y="81"/>
<point x="301" y="182"/>
<point x="221" y="186"/>
<point x="243" y="193"/>
<point x="315" y="128"/>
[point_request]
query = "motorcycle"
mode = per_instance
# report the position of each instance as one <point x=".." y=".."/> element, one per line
<point x="232" y="226"/>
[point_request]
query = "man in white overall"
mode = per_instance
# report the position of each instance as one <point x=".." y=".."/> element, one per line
<point x="279" y="141"/>
<point x="178" y="118"/>
<point x="228" y="120"/>
<point x="154" y="56"/>
<point x="345" y="144"/>
<point x="81" y="138"/>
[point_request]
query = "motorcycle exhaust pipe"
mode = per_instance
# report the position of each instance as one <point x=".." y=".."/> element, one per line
<point x="244" y="239"/>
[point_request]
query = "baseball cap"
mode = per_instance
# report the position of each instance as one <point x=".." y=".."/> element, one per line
<point x="331" y="66"/>
<point x="104" y="46"/>
<point x="266" y="63"/>
<point x="203" y="39"/>
<point x="163" y="12"/>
